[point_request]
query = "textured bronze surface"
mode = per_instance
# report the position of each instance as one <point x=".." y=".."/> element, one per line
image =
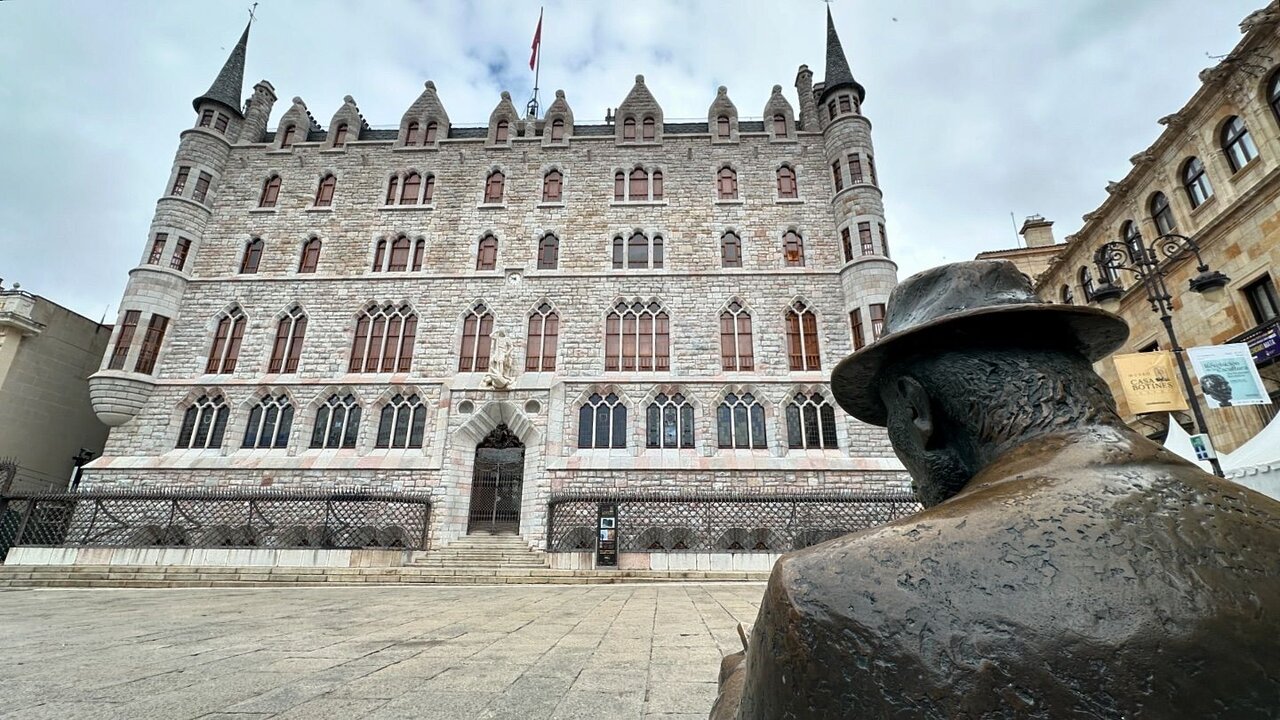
<point x="1065" y="566"/>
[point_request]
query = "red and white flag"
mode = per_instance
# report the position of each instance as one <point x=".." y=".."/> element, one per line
<point x="537" y="42"/>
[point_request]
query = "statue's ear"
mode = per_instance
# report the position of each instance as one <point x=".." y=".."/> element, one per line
<point x="913" y="395"/>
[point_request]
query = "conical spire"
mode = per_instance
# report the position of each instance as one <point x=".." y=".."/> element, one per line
<point x="226" y="87"/>
<point x="838" y="73"/>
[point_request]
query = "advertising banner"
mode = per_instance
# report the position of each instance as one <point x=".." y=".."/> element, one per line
<point x="1149" y="382"/>
<point x="1228" y="377"/>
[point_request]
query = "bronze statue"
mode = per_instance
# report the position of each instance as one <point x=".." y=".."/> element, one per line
<point x="1064" y="566"/>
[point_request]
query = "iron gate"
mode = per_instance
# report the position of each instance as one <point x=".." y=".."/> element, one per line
<point x="495" y="490"/>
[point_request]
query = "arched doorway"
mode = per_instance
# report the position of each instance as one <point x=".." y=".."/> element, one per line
<point x="496" y="483"/>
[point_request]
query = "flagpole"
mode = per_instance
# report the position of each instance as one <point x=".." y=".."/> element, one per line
<point x="532" y="109"/>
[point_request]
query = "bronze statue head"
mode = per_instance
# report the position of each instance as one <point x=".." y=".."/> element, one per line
<point x="1011" y="367"/>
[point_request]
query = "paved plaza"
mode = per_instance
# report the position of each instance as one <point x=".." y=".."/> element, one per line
<point x="626" y="651"/>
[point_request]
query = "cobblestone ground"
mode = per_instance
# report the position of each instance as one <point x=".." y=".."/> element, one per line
<point x="629" y="651"/>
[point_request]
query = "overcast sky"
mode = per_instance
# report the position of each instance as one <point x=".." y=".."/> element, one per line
<point x="980" y="107"/>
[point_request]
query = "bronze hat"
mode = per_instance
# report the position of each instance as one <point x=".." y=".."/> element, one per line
<point x="979" y="300"/>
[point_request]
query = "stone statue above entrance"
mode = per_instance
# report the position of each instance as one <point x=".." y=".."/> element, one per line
<point x="502" y="366"/>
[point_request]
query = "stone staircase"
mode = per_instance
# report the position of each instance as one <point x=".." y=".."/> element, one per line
<point x="484" y="552"/>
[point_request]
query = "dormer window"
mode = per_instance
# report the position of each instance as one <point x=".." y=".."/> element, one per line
<point x="722" y="127"/>
<point x="629" y="130"/>
<point x="650" y="129"/>
<point x="557" y="130"/>
<point x="288" y="137"/>
<point x="411" y="134"/>
<point x="780" y="125"/>
<point x="500" y="133"/>
<point x="340" y="135"/>
<point x="431" y="133"/>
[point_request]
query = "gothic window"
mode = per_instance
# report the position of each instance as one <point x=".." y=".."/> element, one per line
<point x="493" y="187"/>
<point x="432" y="129"/>
<point x="204" y="423"/>
<point x="780" y="125"/>
<point x="287" y="348"/>
<point x="398" y="261"/>
<point x="877" y="320"/>
<point x="409" y="191"/>
<point x="124" y="340"/>
<point x="727" y="184"/>
<point x="543" y="336"/>
<point x="730" y="250"/>
<point x="383" y="340"/>
<point x="735" y="339"/>
<point x="1162" y="214"/>
<point x="157" y="248"/>
<point x="552" y="184"/>
<point x="1273" y="95"/>
<point x="180" y="251"/>
<point x="324" y="193"/>
<point x="310" y="256"/>
<point x="811" y="423"/>
<point x="637" y="337"/>
<point x="1237" y="144"/>
<point x="1196" y="182"/>
<point x="269" y="423"/>
<point x="871" y="168"/>
<point x="793" y="249"/>
<point x="288" y="136"/>
<point x="884" y="240"/>
<point x="337" y="423"/>
<point x="201" y="193"/>
<point x="151" y="342"/>
<point x="419" y="248"/>
<point x="180" y="181"/>
<point x="252" y="256"/>
<point x="669" y="422"/>
<point x="656" y="192"/>
<point x="802" y="337"/>
<point x="224" y="353"/>
<point x="557" y="130"/>
<point x="1068" y="297"/>
<point x="639" y="251"/>
<point x="1086" y="283"/>
<point x="639" y="187"/>
<point x="548" y="252"/>
<point x="740" y="422"/>
<point x="619" y="186"/>
<point x="722" y="127"/>
<point x="270" y="192"/>
<point x="787" y="189"/>
<point x="393" y="186"/>
<point x="836" y="176"/>
<point x="602" y="422"/>
<point x="649" y="129"/>
<point x="477" y="326"/>
<point x="206" y="118"/>
<point x="855" y="168"/>
<point x="402" y="424"/>
<point x="487" y="253"/>
<point x="855" y="327"/>
<point x="864" y="238"/>
<point x="846" y="244"/>
<point x="411" y="134"/>
<point x="500" y="132"/>
<point x="221" y="123"/>
<point x="629" y="130"/>
<point x="340" y="135"/>
<point x="428" y="189"/>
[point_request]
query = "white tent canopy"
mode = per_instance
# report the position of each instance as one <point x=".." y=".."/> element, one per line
<point x="1255" y="464"/>
<point x="1178" y="442"/>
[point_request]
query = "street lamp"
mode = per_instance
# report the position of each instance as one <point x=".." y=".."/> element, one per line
<point x="1143" y="260"/>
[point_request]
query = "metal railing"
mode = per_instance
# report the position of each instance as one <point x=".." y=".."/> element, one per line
<point x="650" y="522"/>
<point x="216" y="519"/>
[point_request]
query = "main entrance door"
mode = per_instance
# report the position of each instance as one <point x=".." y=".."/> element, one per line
<point x="497" y="483"/>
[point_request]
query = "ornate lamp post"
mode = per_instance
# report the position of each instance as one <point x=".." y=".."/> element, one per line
<point x="1143" y="260"/>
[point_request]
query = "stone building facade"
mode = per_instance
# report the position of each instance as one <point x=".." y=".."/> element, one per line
<point x="1213" y="175"/>
<point x="639" y="305"/>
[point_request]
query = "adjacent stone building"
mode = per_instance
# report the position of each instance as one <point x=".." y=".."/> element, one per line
<point x="491" y="314"/>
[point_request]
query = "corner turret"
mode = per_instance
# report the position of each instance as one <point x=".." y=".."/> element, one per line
<point x="839" y="76"/>
<point x="225" y="89"/>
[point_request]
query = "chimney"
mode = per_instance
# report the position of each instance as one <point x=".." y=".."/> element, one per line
<point x="1037" y="232"/>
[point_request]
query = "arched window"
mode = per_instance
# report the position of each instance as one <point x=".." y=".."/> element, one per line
<point x="379" y="252"/>
<point x="640" y="252"/>
<point x="551" y="186"/>
<point x="730" y="250"/>
<point x="1196" y="182"/>
<point x="855" y="327"/>
<point x="779" y="125"/>
<point x="252" y="256"/>
<point x="409" y="192"/>
<point x="287" y="348"/>
<point x="629" y="130"/>
<point x="288" y="136"/>
<point x="428" y="189"/>
<point x="802" y="337"/>
<point x="602" y="422"/>
<point x="269" y="423"/>
<point x="1066" y="295"/>
<point x="337" y="423"/>
<point x="270" y="192"/>
<point x="727" y="184"/>
<point x="1273" y="94"/>
<point x="787" y="189"/>
<point x="543" y="337"/>
<point x="224" y="353"/>
<point x="548" y="252"/>
<point x="398" y="261"/>
<point x="735" y="339"/>
<point x="411" y="134"/>
<point x="419" y="248"/>
<point x="1086" y="283"/>
<point x="383" y="340"/>
<point x="557" y="130"/>
<point x="393" y="187"/>
<point x="310" y="256"/>
<point x="639" y="188"/>
<point x="637" y="337"/>
<point x="493" y="187"/>
<point x="487" y="253"/>
<point x="669" y="422"/>
<point x="1237" y="144"/>
<point x="656" y="192"/>
<point x="619" y="186"/>
<point x="811" y="423"/>
<point x="500" y="132"/>
<point x="792" y="249"/>
<point x="340" y="135"/>
<point x="432" y="129"/>
<point x="740" y="422"/>
<point x="649" y="129"/>
<point x="477" y="326"/>
<point x="324" y="193"/>
<point x="402" y="424"/>
<point x="722" y="127"/>
<point x="204" y="423"/>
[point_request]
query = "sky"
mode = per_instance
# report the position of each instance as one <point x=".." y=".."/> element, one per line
<point x="980" y="108"/>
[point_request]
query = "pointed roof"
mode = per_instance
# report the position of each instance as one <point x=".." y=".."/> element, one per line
<point x="226" y="87"/>
<point x="838" y="73"/>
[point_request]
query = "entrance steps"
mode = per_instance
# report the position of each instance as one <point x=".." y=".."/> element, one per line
<point x="484" y="552"/>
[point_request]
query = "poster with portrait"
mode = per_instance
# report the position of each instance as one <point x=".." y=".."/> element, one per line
<point x="1228" y="377"/>
<point x="1150" y="383"/>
